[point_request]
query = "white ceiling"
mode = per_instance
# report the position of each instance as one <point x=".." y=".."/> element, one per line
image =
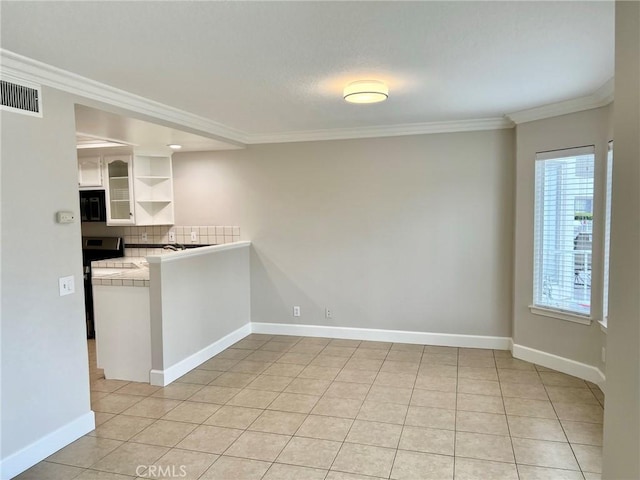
<point x="98" y="124"/>
<point x="269" y="68"/>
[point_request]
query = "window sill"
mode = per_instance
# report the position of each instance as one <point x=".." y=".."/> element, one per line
<point x="570" y="317"/>
<point x="603" y="326"/>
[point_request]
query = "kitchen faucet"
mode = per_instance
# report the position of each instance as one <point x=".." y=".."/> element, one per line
<point x="177" y="247"/>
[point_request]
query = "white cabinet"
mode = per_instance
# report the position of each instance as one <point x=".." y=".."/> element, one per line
<point x="123" y="332"/>
<point x="90" y="172"/>
<point x="138" y="187"/>
<point x="119" y="189"/>
<point x="153" y="186"/>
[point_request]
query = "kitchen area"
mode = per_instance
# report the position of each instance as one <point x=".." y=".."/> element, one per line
<point x="160" y="298"/>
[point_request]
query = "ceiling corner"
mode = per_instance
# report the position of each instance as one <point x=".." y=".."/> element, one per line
<point x="601" y="97"/>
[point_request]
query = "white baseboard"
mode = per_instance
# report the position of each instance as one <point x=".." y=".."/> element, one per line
<point x="164" y="377"/>
<point x="561" y="364"/>
<point x="19" y="461"/>
<point x="373" y="334"/>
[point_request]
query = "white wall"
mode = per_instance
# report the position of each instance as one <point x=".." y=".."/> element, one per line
<point x="409" y="233"/>
<point x="574" y="341"/>
<point x="622" y="407"/>
<point x="123" y="331"/>
<point x="198" y="297"/>
<point x="366" y="227"/>
<point x="45" y="377"/>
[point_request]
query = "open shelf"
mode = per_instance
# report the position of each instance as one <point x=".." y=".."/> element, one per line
<point x="153" y="180"/>
<point x="153" y="190"/>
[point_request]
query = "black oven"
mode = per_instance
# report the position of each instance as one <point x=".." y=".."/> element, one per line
<point x="96" y="248"/>
<point x="92" y="206"/>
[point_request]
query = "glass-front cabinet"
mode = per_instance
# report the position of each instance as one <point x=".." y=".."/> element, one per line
<point x="119" y="190"/>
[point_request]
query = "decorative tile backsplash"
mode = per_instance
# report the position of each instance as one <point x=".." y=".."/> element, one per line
<point x="204" y="235"/>
<point x="157" y="236"/>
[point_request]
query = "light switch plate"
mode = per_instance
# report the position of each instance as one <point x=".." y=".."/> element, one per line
<point x="194" y="236"/>
<point x="66" y="285"/>
<point x="172" y="236"/>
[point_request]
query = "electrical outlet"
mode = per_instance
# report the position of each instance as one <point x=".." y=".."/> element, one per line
<point x="66" y="285"/>
<point x="328" y="313"/>
<point x="604" y="355"/>
<point x="172" y="236"/>
<point x="194" y="236"/>
<point x="296" y="311"/>
<point x="144" y="237"/>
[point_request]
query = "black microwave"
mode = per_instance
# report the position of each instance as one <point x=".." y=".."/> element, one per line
<point x="92" y="206"/>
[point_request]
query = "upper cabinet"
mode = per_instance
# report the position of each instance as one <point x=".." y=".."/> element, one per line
<point x="153" y="186"/>
<point x="138" y="186"/>
<point x="119" y="189"/>
<point x="90" y="172"/>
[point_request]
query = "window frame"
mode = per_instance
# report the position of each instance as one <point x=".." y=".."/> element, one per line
<point x="606" y="243"/>
<point x="541" y="309"/>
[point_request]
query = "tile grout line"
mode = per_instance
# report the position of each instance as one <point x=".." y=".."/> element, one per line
<point x="225" y="404"/>
<point x="307" y="414"/>
<point x="244" y="430"/>
<point x="561" y="426"/>
<point x="130" y="440"/>
<point x="297" y="429"/>
<point x="203" y="424"/>
<point x="358" y="412"/>
<point x="506" y="418"/>
<point x="404" y="422"/>
<point x="265" y="409"/>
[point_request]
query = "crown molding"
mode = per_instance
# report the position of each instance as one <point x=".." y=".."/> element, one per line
<point x="36" y="72"/>
<point x="27" y="69"/>
<point x="601" y="97"/>
<point x="383" y="131"/>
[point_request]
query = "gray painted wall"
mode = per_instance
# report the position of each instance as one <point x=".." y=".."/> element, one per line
<point x="560" y="337"/>
<point x="366" y="227"/>
<point x="622" y="407"/>
<point x="410" y="233"/>
<point x="45" y="377"/>
<point x="196" y="301"/>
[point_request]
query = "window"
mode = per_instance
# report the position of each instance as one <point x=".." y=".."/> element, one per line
<point x="563" y="230"/>
<point x="607" y="233"/>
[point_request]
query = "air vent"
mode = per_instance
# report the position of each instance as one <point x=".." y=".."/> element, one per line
<point x="21" y="98"/>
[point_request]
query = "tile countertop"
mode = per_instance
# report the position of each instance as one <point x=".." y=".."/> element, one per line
<point x="122" y="262"/>
<point x="125" y="271"/>
<point x="134" y="271"/>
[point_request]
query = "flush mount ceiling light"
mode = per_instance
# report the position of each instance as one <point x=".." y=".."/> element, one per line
<point x="175" y="146"/>
<point x="366" y="91"/>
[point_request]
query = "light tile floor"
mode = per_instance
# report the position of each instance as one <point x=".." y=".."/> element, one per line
<point x="281" y="407"/>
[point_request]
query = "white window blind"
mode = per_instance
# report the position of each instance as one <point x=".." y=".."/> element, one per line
<point x="607" y="234"/>
<point x="563" y="230"/>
